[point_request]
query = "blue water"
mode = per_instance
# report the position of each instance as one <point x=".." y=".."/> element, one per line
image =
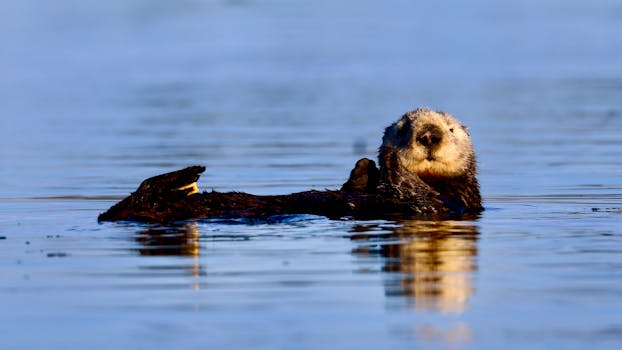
<point x="281" y="96"/>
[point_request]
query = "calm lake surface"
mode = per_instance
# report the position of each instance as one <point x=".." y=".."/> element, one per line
<point x="281" y="96"/>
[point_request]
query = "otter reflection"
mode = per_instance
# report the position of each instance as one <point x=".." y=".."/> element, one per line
<point x="174" y="241"/>
<point x="433" y="261"/>
<point x="182" y="240"/>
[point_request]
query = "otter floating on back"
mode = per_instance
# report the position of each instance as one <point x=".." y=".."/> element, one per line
<point x="427" y="169"/>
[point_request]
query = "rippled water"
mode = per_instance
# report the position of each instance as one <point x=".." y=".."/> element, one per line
<point x="281" y="96"/>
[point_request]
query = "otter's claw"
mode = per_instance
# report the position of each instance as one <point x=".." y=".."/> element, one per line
<point x="191" y="188"/>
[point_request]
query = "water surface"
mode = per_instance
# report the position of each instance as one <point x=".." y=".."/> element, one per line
<point x="280" y="96"/>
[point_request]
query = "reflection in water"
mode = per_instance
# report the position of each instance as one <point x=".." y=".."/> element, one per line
<point x="434" y="259"/>
<point x="458" y="332"/>
<point x="173" y="241"/>
<point x="182" y="240"/>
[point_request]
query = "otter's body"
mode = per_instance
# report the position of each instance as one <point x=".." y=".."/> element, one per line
<point x="427" y="168"/>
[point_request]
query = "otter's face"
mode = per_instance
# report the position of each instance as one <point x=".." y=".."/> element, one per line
<point x="430" y="144"/>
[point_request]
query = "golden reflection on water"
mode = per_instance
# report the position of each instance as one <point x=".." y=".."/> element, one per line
<point x="455" y="333"/>
<point x="174" y="241"/>
<point x="431" y="263"/>
<point x="435" y="261"/>
<point x="182" y="241"/>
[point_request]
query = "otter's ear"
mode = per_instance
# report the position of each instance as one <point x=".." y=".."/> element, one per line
<point x="400" y="127"/>
<point x="390" y="131"/>
<point x="466" y="129"/>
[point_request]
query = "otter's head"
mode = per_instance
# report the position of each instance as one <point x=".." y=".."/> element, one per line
<point x="431" y="144"/>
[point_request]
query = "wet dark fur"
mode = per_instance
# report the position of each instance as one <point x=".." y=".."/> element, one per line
<point x="157" y="200"/>
<point x="389" y="192"/>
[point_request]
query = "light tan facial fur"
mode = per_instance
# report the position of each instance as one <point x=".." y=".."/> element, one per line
<point x="431" y="144"/>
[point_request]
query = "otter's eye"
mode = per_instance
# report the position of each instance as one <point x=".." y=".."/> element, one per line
<point x="451" y="130"/>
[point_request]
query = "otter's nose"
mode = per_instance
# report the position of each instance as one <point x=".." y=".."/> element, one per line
<point x="430" y="135"/>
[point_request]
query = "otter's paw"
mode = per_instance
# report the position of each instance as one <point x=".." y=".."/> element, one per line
<point x="364" y="178"/>
<point x="181" y="181"/>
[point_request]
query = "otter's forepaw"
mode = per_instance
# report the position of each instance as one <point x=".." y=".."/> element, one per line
<point x="364" y="178"/>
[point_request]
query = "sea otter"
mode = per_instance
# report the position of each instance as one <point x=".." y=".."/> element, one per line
<point x="427" y="168"/>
